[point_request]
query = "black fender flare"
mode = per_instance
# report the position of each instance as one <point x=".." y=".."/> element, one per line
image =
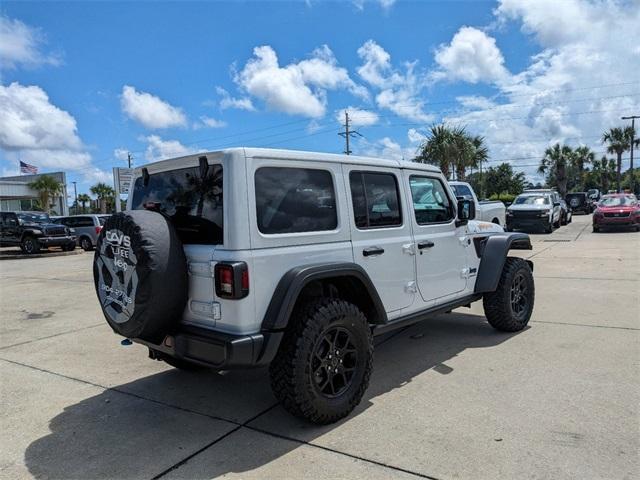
<point x="293" y="282"/>
<point x="493" y="254"/>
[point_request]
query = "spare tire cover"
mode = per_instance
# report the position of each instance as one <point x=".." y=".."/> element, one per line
<point x="140" y="274"/>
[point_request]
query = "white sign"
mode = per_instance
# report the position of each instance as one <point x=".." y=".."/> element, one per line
<point x="122" y="177"/>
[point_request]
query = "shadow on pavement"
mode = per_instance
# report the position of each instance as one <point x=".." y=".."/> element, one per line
<point x="97" y="437"/>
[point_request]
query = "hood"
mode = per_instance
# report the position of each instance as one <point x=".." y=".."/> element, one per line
<point x="529" y="207"/>
<point x="477" y="226"/>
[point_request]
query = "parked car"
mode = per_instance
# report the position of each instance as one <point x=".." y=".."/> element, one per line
<point x="617" y="210"/>
<point x="248" y="257"/>
<point x="487" y="211"/>
<point x="579" y="202"/>
<point x="32" y="231"/>
<point x="566" y="214"/>
<point x="534" y="210"/>
<point x="87" y="228"/>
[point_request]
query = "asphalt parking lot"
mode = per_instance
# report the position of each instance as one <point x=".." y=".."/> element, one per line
<point x="449" y="397"/>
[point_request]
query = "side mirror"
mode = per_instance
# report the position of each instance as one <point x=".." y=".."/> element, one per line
<point x="466" y="211"/>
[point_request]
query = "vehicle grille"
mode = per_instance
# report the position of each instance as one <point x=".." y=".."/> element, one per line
<point x="55" y="231"/>
<point x="617" y="214"/>
<point x="526" y="214"/>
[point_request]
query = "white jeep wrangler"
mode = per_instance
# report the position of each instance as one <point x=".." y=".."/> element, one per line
<point x="251" y="257"/>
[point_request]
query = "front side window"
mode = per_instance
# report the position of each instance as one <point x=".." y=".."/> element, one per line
<point x="295" y="200"/>
<point x="376" y="200"/>
<point x="192" y="203"/>
<point x="431" y="203"/>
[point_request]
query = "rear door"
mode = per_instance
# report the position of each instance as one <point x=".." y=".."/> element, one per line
<point x="441" y="260"/>
<point x="381" y="233"/>
<point x="10" y="229"/>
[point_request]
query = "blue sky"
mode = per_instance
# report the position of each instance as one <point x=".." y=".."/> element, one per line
<point x="84" y="82"/>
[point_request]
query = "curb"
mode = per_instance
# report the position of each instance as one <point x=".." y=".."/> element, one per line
<point x="18" y="255"/>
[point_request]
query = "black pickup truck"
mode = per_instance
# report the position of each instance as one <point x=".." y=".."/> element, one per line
<point x="32" y="231"/>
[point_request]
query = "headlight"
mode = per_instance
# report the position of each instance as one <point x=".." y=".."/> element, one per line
<point x="72" y="230"/>
<point x="37" y="231"/>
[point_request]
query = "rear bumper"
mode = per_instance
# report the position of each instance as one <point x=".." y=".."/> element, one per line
<point x="56" y="241"/>
<point x="218" y="350"/>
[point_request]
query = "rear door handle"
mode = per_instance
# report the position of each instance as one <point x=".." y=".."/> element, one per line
<point x="370" y="251"/>
<point x="425" y="244"/>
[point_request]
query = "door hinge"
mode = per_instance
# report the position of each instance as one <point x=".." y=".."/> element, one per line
<point x="410" y="287"/>
<point x="201" y="269"/>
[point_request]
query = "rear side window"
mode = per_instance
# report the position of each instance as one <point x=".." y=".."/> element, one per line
<point x="192" y="203"/>
<point x="376" y="200"/>
<point x="293" y="200"/>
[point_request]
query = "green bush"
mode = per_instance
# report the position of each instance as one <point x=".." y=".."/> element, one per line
<point x="506" y="198"/>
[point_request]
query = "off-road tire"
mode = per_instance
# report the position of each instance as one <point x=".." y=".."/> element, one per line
<point x="498" y="306"/>
<point x="557" y="224"/>
<point x="292" y="381"/>
<point x="563" y="220"/>
<point x="30" y="245"/>
<point x="85" y="244"/>
<point x="549" y="228"/>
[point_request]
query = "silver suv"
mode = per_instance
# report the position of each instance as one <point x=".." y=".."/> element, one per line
<point x="249" y="257"/>
<point x="87" y="228"/>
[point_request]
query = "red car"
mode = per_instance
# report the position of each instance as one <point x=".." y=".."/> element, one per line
<point x="617" y="210"/>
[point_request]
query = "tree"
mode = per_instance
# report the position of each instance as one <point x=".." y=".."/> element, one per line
<point x="47" y="187"/>
<point x="618" y="140"/>
<point x="452" y="149"/>
<point x="104" y="193"/>
<point x="554" y="165"/>
<point x="83" y="199"/>
<point x="602" y="173"/>
<point x="582" y="156"/>
<point x="502" y="180"/>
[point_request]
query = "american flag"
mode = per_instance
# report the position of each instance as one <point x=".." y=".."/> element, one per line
<point x="26" y="168"/>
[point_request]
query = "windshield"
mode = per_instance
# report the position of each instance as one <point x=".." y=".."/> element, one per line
<point x="617" y="201"/>
<point x="193" y="204"/>
<point x="34" y="217"/>
<point x="462" y="191"/>
<point x="532" y="200"/>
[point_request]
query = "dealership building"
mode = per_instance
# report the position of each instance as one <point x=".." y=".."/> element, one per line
<point x="15" y="194"/>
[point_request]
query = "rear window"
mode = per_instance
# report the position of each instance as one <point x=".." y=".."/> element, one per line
<point x="293" y="200"/>
<point x="462" y="191"/>
<point x="193" y="203"/>
<point x="83" y="222"/>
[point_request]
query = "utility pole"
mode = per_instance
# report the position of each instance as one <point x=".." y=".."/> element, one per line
<point x="129" y="158"/>
<point x="633" y="140"/>
<point x="347" y="134"/>
<point x="75" y="191"/>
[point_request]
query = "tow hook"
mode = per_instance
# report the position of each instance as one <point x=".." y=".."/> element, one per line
<point x="126" y="342"/>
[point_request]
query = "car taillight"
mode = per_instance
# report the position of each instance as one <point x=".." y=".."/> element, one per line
<point x="98" y="229"/>
<point x="232" y="280"/>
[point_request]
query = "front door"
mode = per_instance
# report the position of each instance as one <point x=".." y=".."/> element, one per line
<point x="381" y="233"/>
<point x="441" y="260"/>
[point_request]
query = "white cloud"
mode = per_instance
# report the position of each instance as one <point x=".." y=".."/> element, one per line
<point x="415" y="136"/>
<point x="159" y="149"/>
<point x="208" y="122"/>
<point x="121" y="154"/>
<point x="385" y="4"/>
<point x="149" y="110"/>
<point x="385" y="148"/>
<point x="565" y="94"/>
<point x="227" y="101"/>
<point x="298" y="88"/>
<point x="20" y="45"/>
<point x="398" y="92"/>
<point x="358" y="117"/>
<point x="472" y="56"/>
<point x="28" y="120"/>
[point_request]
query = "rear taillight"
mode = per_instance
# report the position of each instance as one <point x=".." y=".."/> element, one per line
<point x="98" y="229"/>
<point x="232" y="280"/>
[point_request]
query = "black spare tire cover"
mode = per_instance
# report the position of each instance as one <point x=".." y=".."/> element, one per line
<point x="140" y="274"/>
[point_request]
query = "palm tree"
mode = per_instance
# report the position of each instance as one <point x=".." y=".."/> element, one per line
<point x="47" y="187"/>
<point x="104" y="193"/>
<point x="83" y="198"/>
<point x="582" y="156"/>
<point x="618" y="141"/>
<point x="554" y="164"/>
<point x="437" y="149"/>
<point x="452" y="149"/>
<point x="604" y="171"/>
